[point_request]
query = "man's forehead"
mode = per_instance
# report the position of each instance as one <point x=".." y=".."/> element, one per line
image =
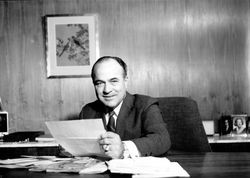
<point x="109" y="66"/>
<point x="108" y="70"/>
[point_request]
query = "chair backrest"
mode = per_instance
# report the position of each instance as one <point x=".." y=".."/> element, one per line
<point x="184" y="124"/>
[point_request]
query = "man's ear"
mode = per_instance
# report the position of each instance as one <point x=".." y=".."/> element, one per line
<point x="126" y="81"/>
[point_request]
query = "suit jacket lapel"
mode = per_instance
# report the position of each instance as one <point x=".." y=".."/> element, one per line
<point x="124" y="114"/>
<point x="102" y="116"/>
<point x="100" y="112"/>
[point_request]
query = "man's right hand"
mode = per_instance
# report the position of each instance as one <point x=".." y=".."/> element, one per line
<point x="112" y="145"/>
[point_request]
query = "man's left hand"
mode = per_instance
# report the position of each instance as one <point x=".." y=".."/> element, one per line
<point x="112" y="145"/>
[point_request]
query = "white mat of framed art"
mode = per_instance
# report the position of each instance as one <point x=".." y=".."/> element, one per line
<point x="71" y="45"/>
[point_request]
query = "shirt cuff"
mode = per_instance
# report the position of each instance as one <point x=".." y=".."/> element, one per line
<point x="131" y="150"/>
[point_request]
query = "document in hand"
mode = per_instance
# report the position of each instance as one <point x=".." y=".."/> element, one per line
<point x="78" y="137"/>
<point x="147" y="167"/>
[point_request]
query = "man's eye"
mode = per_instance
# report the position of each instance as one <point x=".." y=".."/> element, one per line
<point x="114" y="81"/>
<point x="98" y="83"/>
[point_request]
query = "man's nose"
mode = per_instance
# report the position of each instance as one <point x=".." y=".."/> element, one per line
<point x="107" y="88"/>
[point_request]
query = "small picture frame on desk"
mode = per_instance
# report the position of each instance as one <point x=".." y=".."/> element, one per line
<point x="248" y="125"/>
<point x="226" y="125"/>
<point x="239" y="124"/>
<point x="4" y="123"/>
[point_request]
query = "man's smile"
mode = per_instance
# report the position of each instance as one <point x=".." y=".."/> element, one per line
<point x="109" y="97"/>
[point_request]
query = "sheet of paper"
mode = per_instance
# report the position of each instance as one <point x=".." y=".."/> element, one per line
<point x="174" y="170"/>
<point x="78" y="137"/>
<point x="147" y="167"/>
<point x="16" y="161"/>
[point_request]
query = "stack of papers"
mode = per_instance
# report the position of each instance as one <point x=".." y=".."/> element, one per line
<point x="18" y="162"/>
<point x="45" y="138"/>
<point x="147" y="167"/>
<point x="138" y="167"/>
<point x="81" y="165"/>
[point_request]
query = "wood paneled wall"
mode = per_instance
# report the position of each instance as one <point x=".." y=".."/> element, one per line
<point x="194" y="48"/>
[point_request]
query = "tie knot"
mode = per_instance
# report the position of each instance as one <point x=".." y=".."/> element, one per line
<point x="112" y="113"/>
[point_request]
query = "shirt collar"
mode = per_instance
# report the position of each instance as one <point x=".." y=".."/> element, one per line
<point x="118" y="108"/>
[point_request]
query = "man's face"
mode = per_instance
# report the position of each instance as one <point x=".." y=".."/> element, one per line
<point x="110" y="84"/>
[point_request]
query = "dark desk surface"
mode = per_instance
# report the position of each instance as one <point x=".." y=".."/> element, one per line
<point x="214" y="165"/>
<point x="209" y="165"/>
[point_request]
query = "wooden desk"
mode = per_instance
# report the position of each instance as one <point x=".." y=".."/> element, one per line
<point x="214" y="165"/>
<point x="229" y="143"/>
<point x="16" y="149"/>
<point x="209" y="165"/>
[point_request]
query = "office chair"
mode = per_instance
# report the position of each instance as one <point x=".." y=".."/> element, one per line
<point x="184" y="124"/>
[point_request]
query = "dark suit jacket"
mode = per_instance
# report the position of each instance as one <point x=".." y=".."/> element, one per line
<point x="139" y="120"/>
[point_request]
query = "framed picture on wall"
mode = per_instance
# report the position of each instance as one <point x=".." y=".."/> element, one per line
<point x="71" y="45"/>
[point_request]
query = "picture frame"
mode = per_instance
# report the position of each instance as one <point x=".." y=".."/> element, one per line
<point x="226" y="125"/>
<point x="239" y="124"/>
<point x="248" y="125"/>
<point x="71" y="45"/>
<point x="4" y="123"/>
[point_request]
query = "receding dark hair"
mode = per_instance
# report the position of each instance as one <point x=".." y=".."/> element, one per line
<point x="106" y="58"/>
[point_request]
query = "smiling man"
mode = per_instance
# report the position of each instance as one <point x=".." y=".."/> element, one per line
<point x="134" y="123"/>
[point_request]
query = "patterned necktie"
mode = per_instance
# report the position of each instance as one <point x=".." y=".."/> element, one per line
<point x="111" y="123"/>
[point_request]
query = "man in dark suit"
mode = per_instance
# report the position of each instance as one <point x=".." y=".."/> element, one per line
<point x="134" y="123"/>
